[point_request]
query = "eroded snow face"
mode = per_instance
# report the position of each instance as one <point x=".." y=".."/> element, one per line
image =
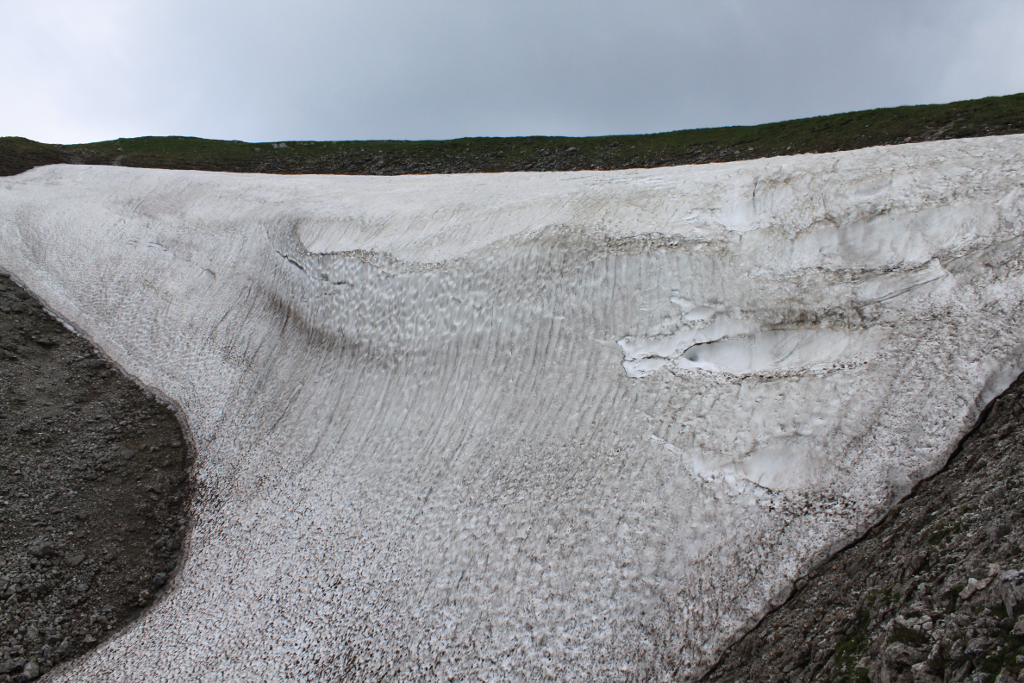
<point x="577" y="426"/>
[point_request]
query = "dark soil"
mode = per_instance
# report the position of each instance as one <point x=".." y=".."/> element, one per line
<point x="935" y="592"/>
<point x="93" y="492"/>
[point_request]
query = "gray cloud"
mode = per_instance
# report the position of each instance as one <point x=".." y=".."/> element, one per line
<point x="451" y="68"/>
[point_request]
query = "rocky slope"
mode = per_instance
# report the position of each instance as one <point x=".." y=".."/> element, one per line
<point x="93" y="493"/>
<point x="934" y="593"/>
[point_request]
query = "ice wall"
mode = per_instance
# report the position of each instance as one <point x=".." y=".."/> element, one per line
<point x="561" y="426"/>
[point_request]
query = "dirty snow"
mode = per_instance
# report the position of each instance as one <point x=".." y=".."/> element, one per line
<point x="562" y="426"/>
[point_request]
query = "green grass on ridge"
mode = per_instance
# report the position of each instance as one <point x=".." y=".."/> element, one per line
<point x="970" y="118"/>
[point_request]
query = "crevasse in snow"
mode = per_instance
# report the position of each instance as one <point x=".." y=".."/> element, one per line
<point x="564" y="426"/>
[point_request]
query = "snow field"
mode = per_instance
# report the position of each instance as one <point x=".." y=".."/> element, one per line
<point x="561" y="426"/>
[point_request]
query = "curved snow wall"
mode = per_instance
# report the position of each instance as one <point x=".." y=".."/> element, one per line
<point x="564" y="426"/>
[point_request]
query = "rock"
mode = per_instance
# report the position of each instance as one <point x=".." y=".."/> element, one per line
<point x="979" y="646"/>
<point x="1005" y="677"/>
<point x="902" y="655"/>
<point x="160" y="580"/>
<point x="76" y="559"/>
<point x="30" y="672"/>
<point x="32" y="634"/>
<point x="1011" y="589"/>
<point x="922" y="673"/>
<point x="898" y="657"/>
<point x="9" y="665"/>
<point x="1018" y="628"/>
<point x="42" y="549"/>
<point x="972" y="587"/>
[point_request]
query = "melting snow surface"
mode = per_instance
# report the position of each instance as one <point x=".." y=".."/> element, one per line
<point x="562" y="426"/>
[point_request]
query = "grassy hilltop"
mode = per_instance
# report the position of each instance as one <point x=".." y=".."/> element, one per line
<point x="970" y="118"/>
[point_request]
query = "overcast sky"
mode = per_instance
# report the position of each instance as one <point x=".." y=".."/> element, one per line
<point x="79" y="71"/>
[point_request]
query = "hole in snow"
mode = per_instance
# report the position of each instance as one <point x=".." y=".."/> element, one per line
<point x="777" y="349"/>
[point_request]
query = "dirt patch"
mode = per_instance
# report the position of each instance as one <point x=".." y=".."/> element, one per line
<point x="94" y="492"/>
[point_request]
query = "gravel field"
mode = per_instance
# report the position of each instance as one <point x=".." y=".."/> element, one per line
<point x="93" y="492"/>
<point x="934" y="593"/>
